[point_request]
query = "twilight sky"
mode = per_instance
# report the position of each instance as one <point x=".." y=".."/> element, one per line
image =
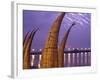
<point x="79" y="37"/>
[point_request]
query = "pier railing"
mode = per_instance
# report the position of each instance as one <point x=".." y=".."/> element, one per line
<point x="72" y="57"/>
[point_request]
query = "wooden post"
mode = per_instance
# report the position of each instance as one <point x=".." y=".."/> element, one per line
<point x="73" y="63"/>
<point x="80" y="59"/>
<point x="75" y="59"/>
<point x="83" y="59"/>
<point x="66" y="60"/>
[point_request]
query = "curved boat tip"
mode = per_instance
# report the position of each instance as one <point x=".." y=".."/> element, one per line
<point x="49" y="57"/>
<point x="27" y="48"/>
<point x="62" y="47"/>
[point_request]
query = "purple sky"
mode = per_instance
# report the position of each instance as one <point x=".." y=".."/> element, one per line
<point x="79" y="37"/>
